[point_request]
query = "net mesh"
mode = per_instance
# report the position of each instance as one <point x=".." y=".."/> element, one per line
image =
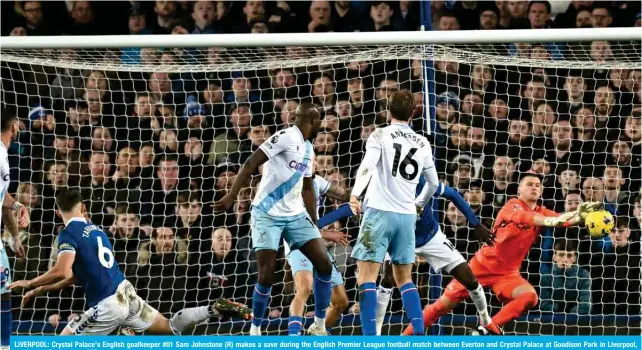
<point x="152" y="137"/>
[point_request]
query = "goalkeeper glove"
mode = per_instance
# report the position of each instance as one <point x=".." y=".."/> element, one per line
<point x="587" y="207"/>
<point x="572" y="217"/>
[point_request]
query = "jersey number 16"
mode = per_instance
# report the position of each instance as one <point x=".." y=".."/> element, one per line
<point x="404" y="163"/>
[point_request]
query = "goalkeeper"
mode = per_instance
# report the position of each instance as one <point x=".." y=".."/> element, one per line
<point x="517" y="225"/>
<point x="433" y="245"/>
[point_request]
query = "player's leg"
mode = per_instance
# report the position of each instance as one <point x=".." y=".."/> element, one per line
<point x="384" y="293"/>
<point x="454" y="294"/>
<point x="442" y="256"/>
<point x="303" y="278"/>
<point x="402" y="256"/>
<point x="301" y="234"/>
<point x="339" y="299"/>
<point x="5" y="319"/>
<point x="141" y="317"/>
<point x="101" y="319"/>
<point x="266" y="236"/>
<point x="370" y="250"/>
<point x="5" y="298"/>
<point x="518" y="295"/>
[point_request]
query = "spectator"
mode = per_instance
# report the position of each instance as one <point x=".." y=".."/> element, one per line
<point x="165" y="17"/>
<point x="204" y="14"/>
<point x="502" y="184"/>
<point x="567" y="289"/>
<point x="601" y="16"/>
<point x="99" y="189"/>
<point x="448" y="21"/>
<point x="159" y="200"/>
<point x="161" y="267"/>
<point x="320" y="15"/>
<point x="235" y="139"/>
<point x="568" y="180"/>
<point x="126" y="238"/>
<point x="614" y="181"/>
<point x="191" y="225"/>
<point x="252" y="10"/>
<point x="615" y="270"/>
<point x="345" y="17"/>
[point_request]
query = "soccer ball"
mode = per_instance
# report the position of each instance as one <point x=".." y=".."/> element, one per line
<point x="599" y="223"/>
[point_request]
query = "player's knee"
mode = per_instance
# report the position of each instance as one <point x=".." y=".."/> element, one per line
<point x="303" y="291"/>
<point x="266" y="279"/>
<point x="530" y="299"/>
<point x="340" y="302"/>
<point x="324" y="267"/>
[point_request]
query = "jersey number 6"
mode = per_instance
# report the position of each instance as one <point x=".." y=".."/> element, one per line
<point x="104" y="251"/>
<point x="406" y="161"/>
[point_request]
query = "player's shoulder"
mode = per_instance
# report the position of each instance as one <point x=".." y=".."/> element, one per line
<point x="513" y="204"/>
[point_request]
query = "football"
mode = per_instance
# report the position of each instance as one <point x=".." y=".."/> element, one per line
<point x="599" y="223"/>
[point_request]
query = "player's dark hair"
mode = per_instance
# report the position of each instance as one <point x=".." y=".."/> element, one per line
<point x="401" y="105"/>
<point x="622" y="222"/>
<point x="545" y="3"/>
<point x="8" y="119"/>
<point x="530" y="174"/>
<point x="306" y="112"/>
<point x="67" y="199"/>
<point x="566" y="245"/>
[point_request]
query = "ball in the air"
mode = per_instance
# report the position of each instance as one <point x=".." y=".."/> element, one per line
<point x="599" y="223"/>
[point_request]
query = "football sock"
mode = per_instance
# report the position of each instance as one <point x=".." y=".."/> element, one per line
<point x="322" y="288"/>
<point x="515" y="308"/>
<point x="189" y="318"/>
<point x="478" y="297"/>
<point x="368" y="307"/>
<point x="412" y="305"/>
<point x="383" y="299"/>
<point x="431" y="314"/>
<point x="294" y="325"/>
<point x="260" y="300"/>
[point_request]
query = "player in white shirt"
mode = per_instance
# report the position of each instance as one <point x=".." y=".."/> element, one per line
<point x="8" y="134"/>
<point x="285" y="207"/>
<point x="395" y="158"/>
<point x="302" y="271"/>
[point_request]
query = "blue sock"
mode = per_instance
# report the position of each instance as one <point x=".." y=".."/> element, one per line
<point x="260" y="301"/>
<point x="322" y="288"/>
<point x="412" y="305"/>
<point x="5" y="322"/>
<point x="294" y="325"/>
<point x="368" y="308"/>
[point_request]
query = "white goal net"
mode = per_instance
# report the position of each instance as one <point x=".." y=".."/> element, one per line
<point x="152" y="136"/>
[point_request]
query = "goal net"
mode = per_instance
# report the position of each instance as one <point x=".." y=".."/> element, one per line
<point x="152" y="136"/>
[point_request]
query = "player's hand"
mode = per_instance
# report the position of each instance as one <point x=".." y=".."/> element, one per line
<point x="355" y="205"/>
<point x="31" y="295"/>
<point x="419" y="210"/>
<point x="484" y="234"/>
<point x="587" y="207"/>
<point x="19" y="284"/>
<point x="23" y="215"/>
<point x="336" y="236"/>
<point x="18" y="248"/>
<point x="223" y="204"/>
<point x="572" y="217"/>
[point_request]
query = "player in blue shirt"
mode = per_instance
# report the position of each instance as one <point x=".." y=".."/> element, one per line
<point x="86" y="257"/>
<point x="433" y="246"/>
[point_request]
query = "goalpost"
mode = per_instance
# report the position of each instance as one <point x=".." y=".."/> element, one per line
<point x="138" y="123"/>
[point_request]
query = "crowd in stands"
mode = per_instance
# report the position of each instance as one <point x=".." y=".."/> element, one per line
<point x="152" y="151"/>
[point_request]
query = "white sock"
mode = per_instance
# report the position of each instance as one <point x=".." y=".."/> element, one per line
<point x="189" y="318"/>
<point x="319" y="323"/>
<point x="255" y="330"/>
<point x="479" y="298"/>
<point x="383" y="299"/>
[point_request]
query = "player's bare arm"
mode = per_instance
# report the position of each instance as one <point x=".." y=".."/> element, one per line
<point x="12" y="226"/>
<point x="309" y="198"/>
<point x="23" y="213"/>
<point x="245" y="174"/>
<point x="60" y="271"/>
<point x="67" y="282"/>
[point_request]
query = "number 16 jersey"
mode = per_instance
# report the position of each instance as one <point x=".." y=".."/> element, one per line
<point x="94" y="266"/>
<point x="405" y="155"/>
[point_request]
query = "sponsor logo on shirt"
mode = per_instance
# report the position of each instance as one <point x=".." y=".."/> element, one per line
<point x="301" y="167"/>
